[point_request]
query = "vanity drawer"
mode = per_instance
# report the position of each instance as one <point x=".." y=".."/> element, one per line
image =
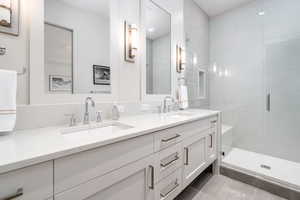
<point x="171" y="136"/>
<point x="35" y="182"/>
<point x="78" y="168"/>
<point x="167" y="161"/>
<point x="170" y="187"/>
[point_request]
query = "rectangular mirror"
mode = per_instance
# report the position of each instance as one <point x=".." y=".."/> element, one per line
<point x="77" y="46"/>
<point x="158" y="49"/>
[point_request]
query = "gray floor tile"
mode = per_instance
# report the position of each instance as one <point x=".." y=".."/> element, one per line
<point x="223" y="188"/>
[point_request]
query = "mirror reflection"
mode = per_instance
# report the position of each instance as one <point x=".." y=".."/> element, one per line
<point x="158" y="50"/>
<point x="77" y="46"/>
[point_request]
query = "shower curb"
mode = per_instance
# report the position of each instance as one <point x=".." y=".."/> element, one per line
<point x="261" y="184"/>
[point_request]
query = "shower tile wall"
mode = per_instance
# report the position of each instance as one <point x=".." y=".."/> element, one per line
<point x="252" y="52"/>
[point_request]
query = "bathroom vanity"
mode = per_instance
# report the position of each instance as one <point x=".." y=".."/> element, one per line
<point x="153" y="157"/>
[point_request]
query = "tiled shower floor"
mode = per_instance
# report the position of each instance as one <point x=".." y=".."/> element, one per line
<point x="223" y="188"/>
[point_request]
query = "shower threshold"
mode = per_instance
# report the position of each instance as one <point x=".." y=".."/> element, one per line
<point x="267" y="168"/>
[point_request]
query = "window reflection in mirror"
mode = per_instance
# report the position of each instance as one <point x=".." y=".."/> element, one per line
<point x="158" y="50"/>
<point x="77" y="46"/>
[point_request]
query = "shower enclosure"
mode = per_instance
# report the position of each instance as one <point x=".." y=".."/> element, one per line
<point x="254" y="79"/>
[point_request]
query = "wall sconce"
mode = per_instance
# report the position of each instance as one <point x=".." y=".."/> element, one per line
<point x="131" y="42"/>
<point x="5" y="13"/>
<point x="180" y="59"/>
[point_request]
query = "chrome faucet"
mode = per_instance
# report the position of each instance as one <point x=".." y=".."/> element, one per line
<point x="86" y="119"/>
<point x="165" y="106"/>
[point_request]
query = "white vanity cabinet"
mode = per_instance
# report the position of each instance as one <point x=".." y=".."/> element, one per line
<point x="134" y="181"/>
<point x="194" y="156"/>
<point x="30" y="183"/>
<point x="212" y="140"/>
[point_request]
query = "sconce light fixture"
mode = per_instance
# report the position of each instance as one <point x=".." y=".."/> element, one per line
<point x="131" y="42"/>
<point x="180" y="59"/>
<point x="5" y="13"/>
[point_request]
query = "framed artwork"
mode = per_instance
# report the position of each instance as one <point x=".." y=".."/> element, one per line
<point x="58" y="83"/>
<point x="9" y="16"/>
<point x="101" y="75"/>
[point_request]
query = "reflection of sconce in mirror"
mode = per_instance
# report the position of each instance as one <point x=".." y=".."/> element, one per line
<point x="180" y="59"/>
<point x="131" y="42"/>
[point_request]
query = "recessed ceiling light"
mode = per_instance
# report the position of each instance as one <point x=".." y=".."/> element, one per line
<point x="261" y="13"/>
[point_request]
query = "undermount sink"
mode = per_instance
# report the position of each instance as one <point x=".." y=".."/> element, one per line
<point x="108" y="127"/>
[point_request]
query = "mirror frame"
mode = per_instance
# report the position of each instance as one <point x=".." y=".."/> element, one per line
<point x="169" y="7"/>
<point x="37" y="91"/>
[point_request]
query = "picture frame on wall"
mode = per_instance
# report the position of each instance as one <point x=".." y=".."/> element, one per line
<point x="9" y="17"/>
<point x="101" y="75"/>
<point x="59" y="83"/>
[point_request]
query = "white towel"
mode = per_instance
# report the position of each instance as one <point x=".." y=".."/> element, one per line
<point x="8" y="96"/>
<point x="183" y="97"/>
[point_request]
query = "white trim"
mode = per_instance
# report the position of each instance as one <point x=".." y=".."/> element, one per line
<point x="172" y="9"/>
<point x="37" y="88"/>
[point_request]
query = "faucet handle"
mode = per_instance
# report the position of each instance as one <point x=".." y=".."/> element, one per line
<point x="99" y="116"/>
<point x="72" y="119"/>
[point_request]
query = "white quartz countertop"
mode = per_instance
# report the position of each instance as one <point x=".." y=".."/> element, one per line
<point x="28" y="147"/>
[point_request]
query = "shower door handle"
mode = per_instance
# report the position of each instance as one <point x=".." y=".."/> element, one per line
<point x="268" y="106"/>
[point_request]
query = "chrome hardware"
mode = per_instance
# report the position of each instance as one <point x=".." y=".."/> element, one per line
<point x="72" y="119"/>
<point x="86" y="119"/>
<point x="186" y="156"/>
<point x="14" y="196"/>
<point x="268" y="103"/>
<point x="170" y="162"/>
<point x="166" y="108"/>
<point x="115" y="112"/>
<point x="99" y="116"/>
<point x="151" y="186"/>
<point x="211" y="141"/>
<point x="172" y="138"/>
<point x="172" y="187"/>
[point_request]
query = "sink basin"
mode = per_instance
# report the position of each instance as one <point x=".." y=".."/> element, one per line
<point x="108" y="127"/>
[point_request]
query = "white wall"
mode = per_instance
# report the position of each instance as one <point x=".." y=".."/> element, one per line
<point x="91" y="41"/>
<point x="259" y="54"/>
<point x="129" y="75"/>
<point x="161" y="57"/>
<point x="196" y="26"/>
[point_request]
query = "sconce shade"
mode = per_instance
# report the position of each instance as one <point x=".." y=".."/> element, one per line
<point x="131" y="42"/>
<point x="180" y="59"/>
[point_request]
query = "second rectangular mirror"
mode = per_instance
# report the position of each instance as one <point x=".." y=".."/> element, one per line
<point x="158" y="49"/>
<point x="77" y="46"/>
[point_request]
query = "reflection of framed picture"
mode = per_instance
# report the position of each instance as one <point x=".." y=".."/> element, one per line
<point x="101" y="75"/>
<point x="58" y="83"/>
<point x="9" y="17"/>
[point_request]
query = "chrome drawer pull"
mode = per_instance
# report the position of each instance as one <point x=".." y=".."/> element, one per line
<point x="172" y="138"/>
<point x="211" y="140"/>
<point x="170" y="162"/>
<point x="151" y="186"/>
<point x="186" y="156"/>
<point x="164" y="194"/>
<point x="14" y="196"/>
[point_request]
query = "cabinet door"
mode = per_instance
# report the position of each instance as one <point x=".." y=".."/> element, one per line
<point x="212" y="141"/>
<point x="194" y="152"/>
<point x="134" y="182"/>
<point x="30" y="183"/>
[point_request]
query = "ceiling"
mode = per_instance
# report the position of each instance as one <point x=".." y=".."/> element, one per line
<point x="216" y="7"/>
<point x="97" y="6"/>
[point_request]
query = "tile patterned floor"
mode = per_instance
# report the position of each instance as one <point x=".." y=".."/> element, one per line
<point x="223" y="188"/>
